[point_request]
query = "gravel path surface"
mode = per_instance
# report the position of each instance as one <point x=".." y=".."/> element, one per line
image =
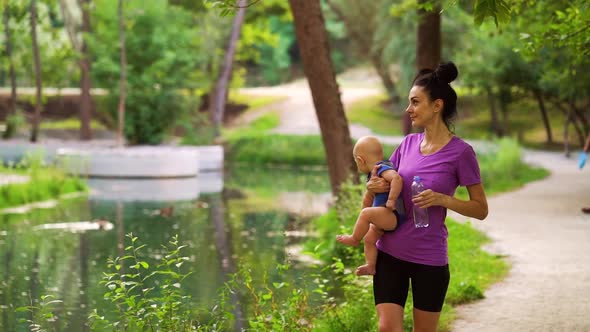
<point x="546" y="238"/>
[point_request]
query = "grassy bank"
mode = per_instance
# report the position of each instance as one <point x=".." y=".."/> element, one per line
<point x="44" y="183"/>
<point x="276" y="149"/>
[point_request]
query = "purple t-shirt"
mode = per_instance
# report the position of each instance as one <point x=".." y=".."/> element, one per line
<point x="443" y="171"/>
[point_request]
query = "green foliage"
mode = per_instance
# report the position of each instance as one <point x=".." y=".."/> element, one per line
<point x="357" y="310"/>
<point x="59" y="67"/>
<point x="499" y="10"/>
<point x="267" y="312"/>
<point x="14" y="122"/>
<point x="162" y="58"/>
<point x="41" y="317"/>
<point x="139" y="302"/>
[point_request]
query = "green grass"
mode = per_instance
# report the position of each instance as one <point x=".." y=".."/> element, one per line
<point x="44" y="183"/>
<point x="370" y="112"/>
<point x="72" y="123"/>
<point x="250" y="146"/>
<point x="259" y="126"/>
<point x="253" y="101"/>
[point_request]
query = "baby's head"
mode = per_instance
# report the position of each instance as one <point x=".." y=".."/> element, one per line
<point x="367" y="152"/>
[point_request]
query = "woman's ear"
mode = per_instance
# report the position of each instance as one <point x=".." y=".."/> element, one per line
<point x="438" y="105"/>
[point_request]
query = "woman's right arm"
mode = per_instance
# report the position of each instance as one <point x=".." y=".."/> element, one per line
<point x="377" y="184"/>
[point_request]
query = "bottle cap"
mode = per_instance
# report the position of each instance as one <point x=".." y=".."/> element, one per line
<point x="417" y="178"/>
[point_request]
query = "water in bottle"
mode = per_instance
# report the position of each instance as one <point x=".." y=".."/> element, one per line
<point x="420" y="214"/>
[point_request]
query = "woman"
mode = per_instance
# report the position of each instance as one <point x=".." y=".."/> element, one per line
<point x="444" y="162"/>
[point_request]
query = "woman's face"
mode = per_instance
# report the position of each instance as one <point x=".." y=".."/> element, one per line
<point x="422" y="110"/>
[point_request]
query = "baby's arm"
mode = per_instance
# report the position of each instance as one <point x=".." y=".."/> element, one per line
<point x="395" y="186"/>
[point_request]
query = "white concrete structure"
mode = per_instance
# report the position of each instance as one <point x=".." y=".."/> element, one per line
<point x="206" y="158"/>
<point x="210" y="158"/>
<point x="130" y="162"/>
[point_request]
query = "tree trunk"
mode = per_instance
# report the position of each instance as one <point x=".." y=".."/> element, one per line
<point x="219" y="96"/>
<point x="566" y="139"/>
<point x="569" y="118"/>
<point x="123" y="77"/>
<point x="312" y="40"/>
<point x="543" y="110"/>
<point x="38" y="84"/>
<point x="428" y="42"/>
<point x="10" y="125"/>
<point x="496" y="127"/>
<point x="85" y="83"/>
<point x="428" y="45"/>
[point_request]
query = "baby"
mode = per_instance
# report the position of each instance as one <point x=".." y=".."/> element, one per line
<point x="379" y="214"/>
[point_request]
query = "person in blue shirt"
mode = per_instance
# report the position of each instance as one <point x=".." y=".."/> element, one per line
<point x="379" y="213"/>
<point x="582" y="162"/>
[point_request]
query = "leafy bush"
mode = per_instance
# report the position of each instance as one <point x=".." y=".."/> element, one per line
<point x="162" y="59"/>
<point x="138" y="303"/>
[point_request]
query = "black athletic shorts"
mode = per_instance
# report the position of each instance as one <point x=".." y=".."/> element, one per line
<point x="392" y="280"/>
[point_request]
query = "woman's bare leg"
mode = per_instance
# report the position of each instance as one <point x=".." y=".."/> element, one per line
<point x="391" y="317"/>
<point x="425" y="321"/>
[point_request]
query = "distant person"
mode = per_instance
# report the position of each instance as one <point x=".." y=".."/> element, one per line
<point x="582" y="162"/>
<point x="378" y="214"/>
<point x="419" y="255"/>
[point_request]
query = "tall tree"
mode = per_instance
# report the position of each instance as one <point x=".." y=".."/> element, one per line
<point x="38" y="81"/>
<point x="78" y="27"/>
<point x="10" y="124"/>
<point x="314" y="49"/>
<point x="219" y="96"/>
<point x="123" y="77"/>
<point x="428" y="43"/>
<point x="85" y="82"/>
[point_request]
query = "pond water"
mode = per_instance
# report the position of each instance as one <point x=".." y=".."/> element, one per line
<point x="230" y="221"/>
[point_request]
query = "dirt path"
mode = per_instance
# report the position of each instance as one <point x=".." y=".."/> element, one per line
<point x="539" y="228"/>
<point x="297" y="113"/>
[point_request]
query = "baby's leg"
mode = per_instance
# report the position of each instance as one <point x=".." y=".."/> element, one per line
<point x="381" y="217"/>
<point x="370" y="252"/>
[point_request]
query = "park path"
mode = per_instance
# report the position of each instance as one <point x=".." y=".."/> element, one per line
<point x="539" y="228"/>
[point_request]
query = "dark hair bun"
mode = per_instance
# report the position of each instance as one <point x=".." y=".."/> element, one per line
<point x="447" y="72"/>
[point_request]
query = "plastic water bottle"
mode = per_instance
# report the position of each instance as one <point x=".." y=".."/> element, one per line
<point x="420" y="214"/>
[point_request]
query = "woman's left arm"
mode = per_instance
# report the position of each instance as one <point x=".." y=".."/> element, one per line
<point x="475" y="207"/>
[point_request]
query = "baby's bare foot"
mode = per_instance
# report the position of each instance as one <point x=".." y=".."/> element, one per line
<point x="347" y="240"/>
<point x="365" y="270"/>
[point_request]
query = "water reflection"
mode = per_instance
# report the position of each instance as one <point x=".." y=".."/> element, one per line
<point x="241" y="225"/>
